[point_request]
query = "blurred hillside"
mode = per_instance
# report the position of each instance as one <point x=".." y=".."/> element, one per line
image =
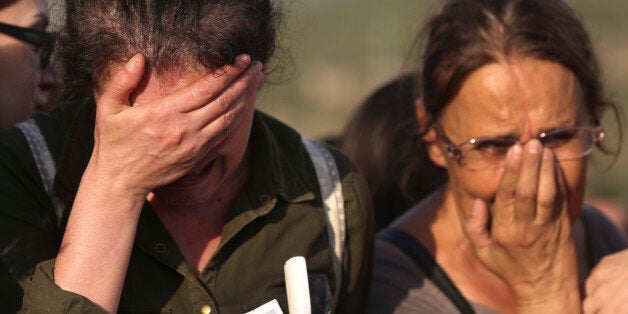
<point x="343" y="49"/>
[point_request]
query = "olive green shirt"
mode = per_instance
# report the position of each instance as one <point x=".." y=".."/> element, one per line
<point x="276" y="216"/>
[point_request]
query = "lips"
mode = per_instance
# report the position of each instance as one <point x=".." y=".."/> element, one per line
<point x="198" y="174"/>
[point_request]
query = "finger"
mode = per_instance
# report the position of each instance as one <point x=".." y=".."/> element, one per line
<point x="220" y="128"/>
<point x="505" y="195"/>
<point x="546" y="195"/>
<point x="207" y="88"/>
<point x="116" y="92"/>
<point x="233" y="96"/>
<point x="528" y="182"/>
<point x="561" y="191"/>
<point x="477" y="226"/>
<point x="590" y="306"/>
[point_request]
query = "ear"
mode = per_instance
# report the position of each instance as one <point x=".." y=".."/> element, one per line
<point x="429" y="137"/>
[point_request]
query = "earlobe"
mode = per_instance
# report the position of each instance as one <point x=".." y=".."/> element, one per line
<point x="435" y="151"/>
<point x="429" y="136"/>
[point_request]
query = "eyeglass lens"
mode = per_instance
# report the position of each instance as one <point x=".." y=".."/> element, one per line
<point x="566" y="144"/>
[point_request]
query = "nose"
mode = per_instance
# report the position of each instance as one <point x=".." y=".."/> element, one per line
<point x="49" y="85"/>
<point x="49" y="79"/>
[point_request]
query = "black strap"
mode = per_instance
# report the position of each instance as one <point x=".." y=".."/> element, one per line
<point x="426" y="262"/>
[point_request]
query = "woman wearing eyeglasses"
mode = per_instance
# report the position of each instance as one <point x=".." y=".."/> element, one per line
<point x="511" y="106"/>
<point x="25" y="79"/>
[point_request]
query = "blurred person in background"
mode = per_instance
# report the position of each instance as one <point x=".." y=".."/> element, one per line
<point x="382" y="138"/>
<point x="27" y="82"/>
<point x="511" y="103"/>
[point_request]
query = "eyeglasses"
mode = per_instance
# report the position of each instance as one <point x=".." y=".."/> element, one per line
<point x="490" y="153"/>
<point x="44" y="41"/>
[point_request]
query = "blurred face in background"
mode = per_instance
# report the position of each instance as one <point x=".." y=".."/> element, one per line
<point x="24" y="85"/>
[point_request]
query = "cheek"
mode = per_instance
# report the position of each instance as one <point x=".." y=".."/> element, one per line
<point x="574" y="178"/>
<point x="469" y="185"/>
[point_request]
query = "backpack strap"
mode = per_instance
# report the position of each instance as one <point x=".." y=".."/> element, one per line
<point x="333" y="201"/>
<point x="422" y="257"/>
<point x="43" y="160"/>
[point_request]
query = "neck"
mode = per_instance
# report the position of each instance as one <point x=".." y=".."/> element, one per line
<point x="437" y="224"/>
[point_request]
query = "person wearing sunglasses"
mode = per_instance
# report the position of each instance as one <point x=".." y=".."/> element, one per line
<point x="26" y="80"/>
<point x="511" y="104"/>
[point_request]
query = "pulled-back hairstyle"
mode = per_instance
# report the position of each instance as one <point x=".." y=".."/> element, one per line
<point x="468" y="34"/>
<point x="171" y="34"/>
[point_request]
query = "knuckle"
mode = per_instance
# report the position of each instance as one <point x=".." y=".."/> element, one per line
<point x="546" y="202"/>
<point x="526" y="197"/>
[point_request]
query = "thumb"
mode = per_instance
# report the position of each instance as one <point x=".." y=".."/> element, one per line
<point x="477" y="226"/>
<point x="115" y="97"/>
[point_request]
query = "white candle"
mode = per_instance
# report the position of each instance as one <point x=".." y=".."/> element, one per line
<point x="297" y="286"/>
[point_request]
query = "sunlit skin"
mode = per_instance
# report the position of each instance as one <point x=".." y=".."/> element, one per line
<point x="24" y="87"/>
<point x="519" y="97"/>
<point x="194" y="207"/>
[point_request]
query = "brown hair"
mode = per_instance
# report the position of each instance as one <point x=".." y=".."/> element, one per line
<point x="468" y="34"/>
<point x="171" y="34"/>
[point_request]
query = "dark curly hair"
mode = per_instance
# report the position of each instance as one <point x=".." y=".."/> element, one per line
<point x="171" y="34"/>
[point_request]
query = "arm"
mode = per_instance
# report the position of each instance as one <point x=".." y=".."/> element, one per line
<point x="137" y="149"/>
<point x="528" y="241"/>
<point x="607" y="285"/>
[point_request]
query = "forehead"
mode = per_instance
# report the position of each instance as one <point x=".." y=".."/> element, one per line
<point x="515" y="96"/>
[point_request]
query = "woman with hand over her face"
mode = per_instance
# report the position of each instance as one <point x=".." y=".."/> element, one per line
<point x="183" y="197"/>
<point x="511" y="101"/>
<point x="25" y="78"/>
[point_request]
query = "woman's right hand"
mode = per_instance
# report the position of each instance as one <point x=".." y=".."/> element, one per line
<point x="143" y="146"/>
<point x="524" y="236"/>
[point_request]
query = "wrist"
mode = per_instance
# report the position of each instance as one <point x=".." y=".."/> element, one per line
<point x="563" y="297"/>
<point x="112" y="185"/>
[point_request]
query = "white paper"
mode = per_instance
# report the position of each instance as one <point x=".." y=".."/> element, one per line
<point x="271" y="307"/>
<point x="297" y="286"/>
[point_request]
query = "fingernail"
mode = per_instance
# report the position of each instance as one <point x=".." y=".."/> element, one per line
<point x="243" y="58"/>
<point x="516" y="151"/>
<point x="132" y="63"/>
<point x="534" y="147"/>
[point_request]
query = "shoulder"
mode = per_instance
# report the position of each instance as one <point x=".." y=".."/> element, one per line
<point x="400" y="286"/>
<point x="602" y="235"/>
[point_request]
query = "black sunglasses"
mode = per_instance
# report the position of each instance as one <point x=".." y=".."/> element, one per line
<point x="44" y="41"/>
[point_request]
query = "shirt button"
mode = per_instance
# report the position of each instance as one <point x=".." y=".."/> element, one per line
<point x="264" y="199"/>
<point x="206" y="309"/>
<point x="160" y="248"/>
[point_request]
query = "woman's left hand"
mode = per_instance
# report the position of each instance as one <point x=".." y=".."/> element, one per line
<point x="524" y="236"/>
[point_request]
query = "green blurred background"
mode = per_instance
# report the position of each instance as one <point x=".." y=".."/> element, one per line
<point x="341" y="50"/>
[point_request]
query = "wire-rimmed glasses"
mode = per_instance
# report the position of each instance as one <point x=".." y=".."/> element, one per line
<point x="490" y="153"/>
<point x="44" y="41"/>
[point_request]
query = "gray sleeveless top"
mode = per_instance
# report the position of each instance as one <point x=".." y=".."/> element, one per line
<point x="399" y="286"/>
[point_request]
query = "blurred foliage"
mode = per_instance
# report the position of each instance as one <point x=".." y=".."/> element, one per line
<point x="344" y="49"/>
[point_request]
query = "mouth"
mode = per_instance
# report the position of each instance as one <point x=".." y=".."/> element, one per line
<point x="200" y="171"/>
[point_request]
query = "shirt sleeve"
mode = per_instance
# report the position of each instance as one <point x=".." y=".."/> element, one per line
<point x="42" y="295"/>
<point x="358" y="256"/>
